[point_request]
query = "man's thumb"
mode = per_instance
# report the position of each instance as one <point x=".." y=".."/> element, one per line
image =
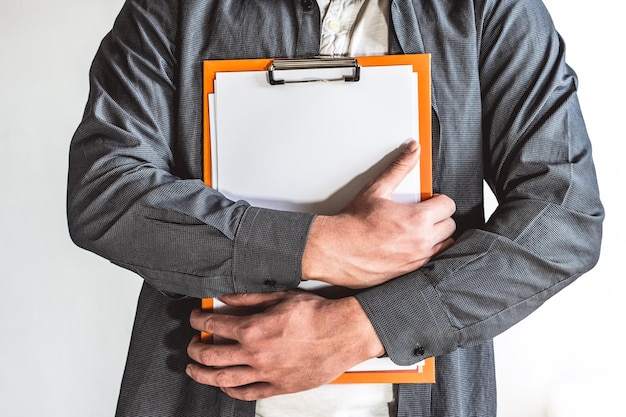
<point x="397" y="170"/>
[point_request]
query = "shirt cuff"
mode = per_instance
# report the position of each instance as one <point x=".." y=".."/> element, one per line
<point x="409" y="319"/>
<point x="268" y="250"/>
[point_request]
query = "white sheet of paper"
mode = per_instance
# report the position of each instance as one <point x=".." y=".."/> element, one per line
<point x="311" y="146"/>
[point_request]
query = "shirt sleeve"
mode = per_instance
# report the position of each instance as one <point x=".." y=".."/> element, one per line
<point x="546" y="230"/>
<point x="131" y="197"/>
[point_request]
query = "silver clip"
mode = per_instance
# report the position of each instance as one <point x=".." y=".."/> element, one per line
<point x="314" y="63"/>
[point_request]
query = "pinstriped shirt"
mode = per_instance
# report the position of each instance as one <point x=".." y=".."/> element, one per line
<point x="505" y="111"/>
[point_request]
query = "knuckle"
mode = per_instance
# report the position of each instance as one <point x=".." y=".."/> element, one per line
<point x="452" y="225"/>
<point x="248" y="334"/>
<point x="206" y="357"/>
<point x="420" y="214"/>
<point x="223" y="379"/>
<point x="447" y="202"/>
<point x="422" y="247"/>
<point x="248" y="395"/>
<point x="198" y="318"/>
<point x="263" y="361"/>
<point x="209" y="323"/>
<point x="196" y="374"/>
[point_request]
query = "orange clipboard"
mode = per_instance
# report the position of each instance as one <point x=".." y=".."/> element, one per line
<point x="420" y="63"/>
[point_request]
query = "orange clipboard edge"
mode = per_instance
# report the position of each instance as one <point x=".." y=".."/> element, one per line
<point x="421" y="64"/>
<point x="409" y="376"/>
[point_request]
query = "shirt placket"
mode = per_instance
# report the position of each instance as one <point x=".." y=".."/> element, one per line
<point x="338" y="22"/>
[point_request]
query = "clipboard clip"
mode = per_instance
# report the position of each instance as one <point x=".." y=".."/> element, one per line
<point x="314" y="63"/>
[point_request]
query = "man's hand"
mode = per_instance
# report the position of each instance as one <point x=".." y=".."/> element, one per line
<point x="300" y="341"/>
<point x="375" y="239"/>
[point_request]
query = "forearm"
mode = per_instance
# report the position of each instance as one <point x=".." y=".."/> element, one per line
<point x="375" y="239"/>
<point x="545" y="233"/>
<point x="477" y="289"/>
<point x="134" y="192"/>
<point x="547" y="229"/>
<point x="183" y="237"/>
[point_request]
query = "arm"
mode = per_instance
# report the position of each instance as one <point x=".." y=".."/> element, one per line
<point x="375" y="238"/>
<point x="298" y="331"/>
<point x="299" y="342"/>
<point x="546" y="230"/>
<point x="545" y="233"/>
<point x="134" y="196"/>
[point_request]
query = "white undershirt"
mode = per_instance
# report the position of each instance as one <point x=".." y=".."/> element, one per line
<point x="354" y="27"/>
<point x="349" y="28"/>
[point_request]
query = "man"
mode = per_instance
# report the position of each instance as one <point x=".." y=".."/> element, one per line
<point x="504" y="110"/>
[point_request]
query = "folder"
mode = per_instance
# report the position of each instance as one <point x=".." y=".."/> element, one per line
<point x="271" y="94"/>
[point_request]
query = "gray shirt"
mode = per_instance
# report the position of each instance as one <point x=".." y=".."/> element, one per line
<point x="504" y="110"/>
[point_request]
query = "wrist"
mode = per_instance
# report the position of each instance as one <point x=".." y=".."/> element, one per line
<point x="313" y="259"/>
<point x="366" y="338"/>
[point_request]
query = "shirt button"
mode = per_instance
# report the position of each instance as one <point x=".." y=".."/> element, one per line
<point x="269" y="283"/>
<point x="419" y="351"/>
<point x="334" y="26"/>
<point x="307" y="4"/>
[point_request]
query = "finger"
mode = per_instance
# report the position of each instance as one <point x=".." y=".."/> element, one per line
<point x="233" y="376"/>
<point x="435" y="250"/>
<point x="440" y="247"/>
<point x="444" y="228"/>
<point x="384" y="185"/>
<point x="223" y="325"/>
<point x="252" y="392"/>
<point x="441" y="236"/>
<point x="440" y="207"/>
<point x="209" y="354"/>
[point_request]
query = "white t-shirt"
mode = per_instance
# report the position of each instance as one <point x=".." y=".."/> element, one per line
<point x="349" y="28"/>
<point x="354" y="27"/>
<point x="335" y="400"/>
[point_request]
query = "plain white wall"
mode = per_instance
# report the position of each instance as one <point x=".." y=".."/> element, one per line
<point x="66" y="315"/>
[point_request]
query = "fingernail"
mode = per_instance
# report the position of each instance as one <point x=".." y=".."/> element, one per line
<point x="188" y="370"/>
<point x="410" y="146"/>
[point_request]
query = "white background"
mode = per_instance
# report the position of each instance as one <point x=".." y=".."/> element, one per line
<point x="66" y="315"/>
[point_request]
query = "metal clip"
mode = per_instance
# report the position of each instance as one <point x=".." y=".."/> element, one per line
<point x="314" y="63"/>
